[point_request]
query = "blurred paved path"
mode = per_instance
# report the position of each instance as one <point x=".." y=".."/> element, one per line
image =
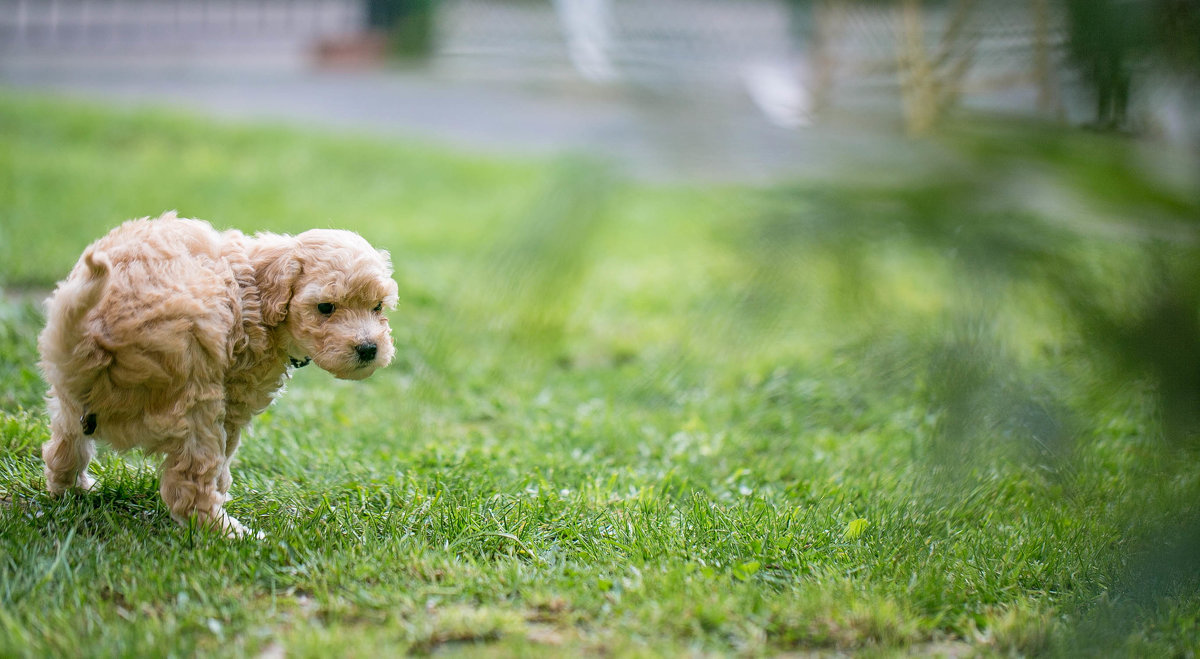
<point x="657" y="136"/>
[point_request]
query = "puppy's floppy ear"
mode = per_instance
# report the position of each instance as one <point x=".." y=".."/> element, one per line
<point x="276" y="268"/>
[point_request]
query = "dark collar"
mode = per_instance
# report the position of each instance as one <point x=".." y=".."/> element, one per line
<point x="296" y="363"/>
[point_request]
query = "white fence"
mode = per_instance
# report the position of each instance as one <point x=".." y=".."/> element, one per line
<point x="98" y="25"/>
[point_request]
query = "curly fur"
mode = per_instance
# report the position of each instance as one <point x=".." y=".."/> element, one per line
<point x="174" y="335"/>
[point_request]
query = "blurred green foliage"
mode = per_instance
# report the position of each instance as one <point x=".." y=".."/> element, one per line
<point x="1075" y="264"/>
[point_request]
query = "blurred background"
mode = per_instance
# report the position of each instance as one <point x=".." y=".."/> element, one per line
<point x="691" y="89"/>
<point x="979" y="219"/>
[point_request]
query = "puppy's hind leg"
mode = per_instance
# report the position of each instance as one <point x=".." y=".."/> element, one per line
<point x="68" y="451"/>
<point x="191" y="472"/>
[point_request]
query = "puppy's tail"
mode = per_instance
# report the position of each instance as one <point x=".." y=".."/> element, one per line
<point x="76" y="303"/>
<point x="66" y="310"/>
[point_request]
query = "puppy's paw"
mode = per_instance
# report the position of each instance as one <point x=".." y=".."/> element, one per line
<point x="56" y="487"/>
<point x="223" y="523"/>
<point x="235" y="530"/>
<point x="245" y="533"/>
<point x="238" y="531"/>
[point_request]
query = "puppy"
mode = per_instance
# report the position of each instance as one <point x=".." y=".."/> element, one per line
<point x="169" y="336"/>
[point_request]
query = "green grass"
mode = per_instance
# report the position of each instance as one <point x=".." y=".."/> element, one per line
<point x="622" y="420"/>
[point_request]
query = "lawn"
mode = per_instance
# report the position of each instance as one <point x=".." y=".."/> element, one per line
<point x="631" y="419"/>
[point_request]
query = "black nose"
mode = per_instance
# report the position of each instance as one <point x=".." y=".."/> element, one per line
<point x="366" y="351"/>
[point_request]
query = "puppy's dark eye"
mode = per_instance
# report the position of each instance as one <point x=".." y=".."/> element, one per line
<point x="378" y="307"/>
<point x="325" y="308"/>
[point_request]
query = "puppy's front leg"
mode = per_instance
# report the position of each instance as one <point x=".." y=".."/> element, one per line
<point x="233" y="437"/>
<point x="190" y="475"/>
<point x="68" y="451"/>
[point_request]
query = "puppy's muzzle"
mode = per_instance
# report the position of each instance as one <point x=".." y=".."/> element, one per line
<point x="366" y="352"/>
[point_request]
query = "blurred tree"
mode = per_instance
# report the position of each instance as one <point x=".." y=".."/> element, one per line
<point x="931" y="83"/>
<point x="409" y="24"/>
<point x="1104" y="39"/>
<point x="1178" y="24"/>
<point x="815" y="26"/>
<point x="1111" y="41"/>
<point x="383" y="14"/>
<point x="935" y="45"/>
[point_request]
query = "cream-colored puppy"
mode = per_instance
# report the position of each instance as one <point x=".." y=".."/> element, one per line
<point x="169" y="336"/>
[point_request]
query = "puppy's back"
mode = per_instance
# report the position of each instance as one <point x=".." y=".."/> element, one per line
<point x="146" y="311"/>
